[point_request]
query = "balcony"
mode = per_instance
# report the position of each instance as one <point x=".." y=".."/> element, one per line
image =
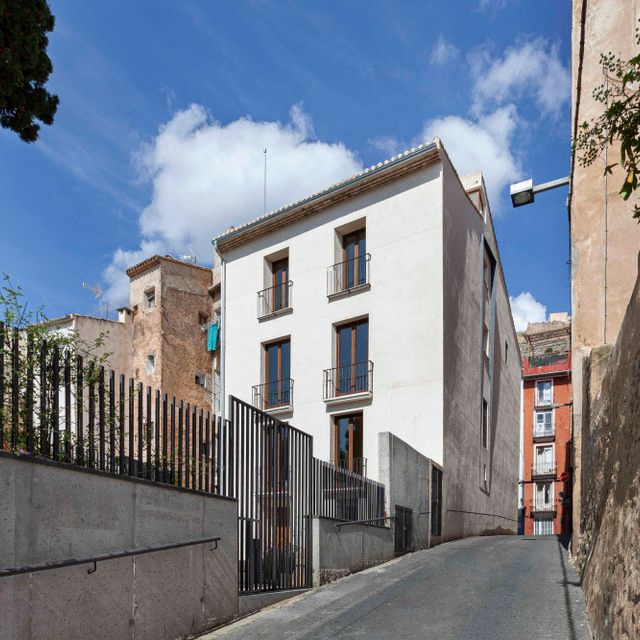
<point x="355" y="465"/>
<point x="348" y="382"/>
<point x="274" y="397"/>
<point x="544" y="432"/>
<point x="540" y="506"/>
<point x="543" y="470"/>
<point x="274" y="301"/>
<point x="350" y="276"/>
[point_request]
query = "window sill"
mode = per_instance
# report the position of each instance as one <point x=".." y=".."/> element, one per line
<point x="276" y="314"/>
<point x="347" y="398"/>
<point x="345" y="293"/>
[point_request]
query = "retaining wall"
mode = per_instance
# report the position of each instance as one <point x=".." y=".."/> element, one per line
<point x="52" y="511"/>
<point x="353" y="548"/>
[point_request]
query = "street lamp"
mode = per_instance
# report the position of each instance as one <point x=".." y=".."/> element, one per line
<point x="524" y="192"/>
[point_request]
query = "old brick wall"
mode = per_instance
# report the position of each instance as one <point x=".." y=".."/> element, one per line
<point x="609" y="539"/>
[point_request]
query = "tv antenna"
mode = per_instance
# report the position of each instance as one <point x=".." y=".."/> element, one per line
<point x="190" y="257"/>
<point x="98" y="293"/>
<point x="264" y="201"/>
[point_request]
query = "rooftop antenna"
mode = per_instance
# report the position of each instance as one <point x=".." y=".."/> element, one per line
<point x="265" y="182"/>
<point x="190" y="257"/>
<point x="98" y="291"/>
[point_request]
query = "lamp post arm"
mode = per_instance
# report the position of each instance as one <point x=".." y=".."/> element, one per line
<point x="545" y="186"/>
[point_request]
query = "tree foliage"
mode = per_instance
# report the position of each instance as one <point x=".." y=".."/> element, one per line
<point x="618" y="123"/>
<point x="25" y="67"/>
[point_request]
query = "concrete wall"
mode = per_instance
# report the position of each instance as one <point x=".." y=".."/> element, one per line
<point x="404" y="238"/>
<point x="469" y="375"/>
<point x="353" y="548"/>
<point x="608" y="544"/>
<point x="52" y="512"/>
<point x="406" y="474"/>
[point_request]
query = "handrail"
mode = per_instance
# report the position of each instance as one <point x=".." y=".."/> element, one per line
<point x="339" y="525"/>
<point x="14" y="571"/>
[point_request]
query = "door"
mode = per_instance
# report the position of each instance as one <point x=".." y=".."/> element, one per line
<point x="353" y="357"/>
<point x="544" y="459"/>
<point x="277" y="374"/>
<point x="347" y="442"/>
<point x="543" y="527"/>
<point x="355" y="250"/>
<point x="280" y="279"/>
<point x="403" y="529"/>
<point x="543" y="495"/>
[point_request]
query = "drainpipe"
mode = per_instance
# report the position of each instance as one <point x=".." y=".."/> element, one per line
<point x="223" y="314"/>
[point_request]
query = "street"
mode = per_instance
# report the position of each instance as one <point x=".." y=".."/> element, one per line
<point x="489" y="588"/>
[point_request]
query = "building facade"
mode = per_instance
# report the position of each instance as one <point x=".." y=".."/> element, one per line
<point x="546" y="443"/>
<point x="379" y="305"/>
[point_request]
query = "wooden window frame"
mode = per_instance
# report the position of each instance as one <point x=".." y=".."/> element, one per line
<point x="280" y="285"/>
<point x="335" y="438"/>
<point x="353" y="366"/>
<point x="356" y="235"/>
<point x="279" y="379"/>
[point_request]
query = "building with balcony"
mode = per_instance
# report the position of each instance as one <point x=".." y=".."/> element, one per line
<point x="546" y="426"/>
<point x="379" y="305"/>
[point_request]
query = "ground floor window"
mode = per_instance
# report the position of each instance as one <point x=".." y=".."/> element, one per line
<point x="347" y="442"/>
<point x="543" y="527"/>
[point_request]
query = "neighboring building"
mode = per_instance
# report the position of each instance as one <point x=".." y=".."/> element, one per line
<point x="381" y="306"/>
<point x="604" y="235"/>
<point x="546" y="446"/>
<point x="161" y="338"/>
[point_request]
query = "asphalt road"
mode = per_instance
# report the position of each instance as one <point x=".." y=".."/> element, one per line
<point x="490" y="588"/>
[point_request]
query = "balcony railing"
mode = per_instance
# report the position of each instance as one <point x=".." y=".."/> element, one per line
<point x="273" y="395"/>
<point x="274" y="299"/>
<point x="538" y="505"/>
<point x="348" y="379"/>
<point x="545" y="431"/>
<point x="547" y="359"/>
<point x="348" y="275"/>
<point x="543" y="469"/>
<point x="543" y="400"/>
<point x="355" y="465"/>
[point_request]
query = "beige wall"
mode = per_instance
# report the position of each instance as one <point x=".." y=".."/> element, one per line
<point x="604" y="236"/>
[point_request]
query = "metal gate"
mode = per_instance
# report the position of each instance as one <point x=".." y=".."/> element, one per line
<point x="273" y="481"/>
<point x="403" y="529"/>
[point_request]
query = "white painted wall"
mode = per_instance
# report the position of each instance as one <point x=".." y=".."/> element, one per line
<point x="404" y="305"/>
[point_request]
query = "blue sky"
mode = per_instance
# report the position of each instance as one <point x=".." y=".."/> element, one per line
<point x="165" y="108"/>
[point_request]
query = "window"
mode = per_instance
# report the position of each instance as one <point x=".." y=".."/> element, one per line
<point x="347" y="442"/>
<point x="151" y="364"/>
<point x="203" y="380"/>
<point x="487" y="272"/>
<point x="544" y="459"/>
<point x="203" y="321"/>
<point x="277" y="374"/>
<point x="543" y="392"/>
<point x="543" y="527"/>
<point x="543" y="495"/>
<point x="279" y="284"/>
<point x="352" y="357"/>
<point x="354" y="258"/>
<point x="485" y="341"/>
<point x="544" y="424"/>
<point x="485" y="425"/>
<point x="150" y="298"/>
<point x="436" y="501"/>
<point x="506" y="352"/>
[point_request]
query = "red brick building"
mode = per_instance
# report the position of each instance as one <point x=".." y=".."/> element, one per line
<point x="546" y="428"/>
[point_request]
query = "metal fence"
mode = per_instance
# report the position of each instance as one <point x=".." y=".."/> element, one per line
<point x="53" y="405"/>
<point x="274" y="488"/>
<point x="344" y="495"/>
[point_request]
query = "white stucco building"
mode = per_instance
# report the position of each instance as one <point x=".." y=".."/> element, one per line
<point x="378" y="305"/>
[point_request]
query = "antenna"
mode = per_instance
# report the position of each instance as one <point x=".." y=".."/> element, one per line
<point x="190" y="257"/>
<point x="265" y="181"/>
<point x="99" y="292"/>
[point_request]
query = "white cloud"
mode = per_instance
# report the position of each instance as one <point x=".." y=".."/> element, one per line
<point x="525" y="309"/>
<point x="207" y="176"/>
<point x="443" y="51"/>
<point x="492" y="5"/>
<point x="483" y="144"/>
<point x="532" y="70"/>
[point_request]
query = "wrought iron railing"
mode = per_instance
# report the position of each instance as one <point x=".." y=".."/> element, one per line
<point x="356" y="465"/>
<point x="348" y="275"/>
<point x="540" y="505"/>
<point x="544" y="400"/>
<point x="546" y="431"/>
<point x="274" y="299"/>
<point x="348" y="379"/>
<point x="547" y="359"/>
<point x="543" y="469"/>
<point x="272" y="395"/>
<point x="344" y="495"/>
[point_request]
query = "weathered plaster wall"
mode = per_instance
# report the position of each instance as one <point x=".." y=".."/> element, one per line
<point x="465" y="496"/>
<point x="51" y="512"/>
<point x="609" y="542"/>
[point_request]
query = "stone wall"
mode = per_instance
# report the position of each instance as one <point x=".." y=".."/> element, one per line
<point x="52" y="512"/>
<point x="608" y="544"/>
